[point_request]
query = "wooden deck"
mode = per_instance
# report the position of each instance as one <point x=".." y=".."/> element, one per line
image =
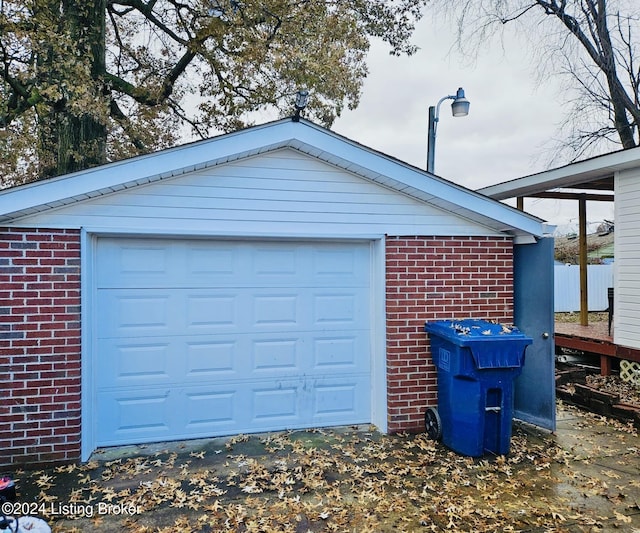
<point x="594" y="339"/>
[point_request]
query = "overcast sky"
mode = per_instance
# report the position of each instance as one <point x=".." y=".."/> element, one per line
<point x="505" y="136"/>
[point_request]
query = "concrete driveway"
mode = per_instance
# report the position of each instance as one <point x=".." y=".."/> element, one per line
<point x="586" y="477"/>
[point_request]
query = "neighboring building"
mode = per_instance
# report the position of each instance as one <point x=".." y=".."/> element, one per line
<point x="276" y="277"/>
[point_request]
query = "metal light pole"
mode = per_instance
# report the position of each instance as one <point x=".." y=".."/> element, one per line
<point x="459" y="108"/>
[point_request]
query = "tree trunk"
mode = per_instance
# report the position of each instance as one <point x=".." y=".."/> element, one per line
<point x="608" y="66"/>
<point x="620" y="119"/>
<point x="74" y="137"/>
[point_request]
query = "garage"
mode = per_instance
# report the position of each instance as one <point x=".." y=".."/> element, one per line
<point x="201" y="337"/>
<point x="278" y="277"/>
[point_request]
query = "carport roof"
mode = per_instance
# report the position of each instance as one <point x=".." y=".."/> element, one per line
<point x="594" y="174"/>
<point x="303" y="136"/>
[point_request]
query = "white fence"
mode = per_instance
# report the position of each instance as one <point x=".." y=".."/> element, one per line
<point x="567" y="287"/>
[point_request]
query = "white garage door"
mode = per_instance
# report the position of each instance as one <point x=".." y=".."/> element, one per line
<point x="200" y="338"/>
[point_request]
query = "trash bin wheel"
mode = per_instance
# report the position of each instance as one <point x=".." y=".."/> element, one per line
<point x="433" y="424"/>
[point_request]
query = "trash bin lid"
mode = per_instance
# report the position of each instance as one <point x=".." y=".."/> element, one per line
<point x="471" y="330"/>
<point x="492" y="345"/>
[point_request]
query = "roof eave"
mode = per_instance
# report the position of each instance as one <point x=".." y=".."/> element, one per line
<point x="106" y="179"/>
<point x="595" y="168"/>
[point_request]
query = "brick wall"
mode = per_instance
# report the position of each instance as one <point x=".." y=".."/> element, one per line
<point x="436" y="278"/>
<point x="39" y="346"/>
<point x="428" y="278"/>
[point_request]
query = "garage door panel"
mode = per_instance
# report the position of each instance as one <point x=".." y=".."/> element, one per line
<point x="342" y="400"/>
<point x="276" y="355"/>
<point x="135" y="362"/>
<point x="211" y="359"/>
<point x="344" y="309"/>
<point x="276" y="264"/>
<point x="204" y="261"/>
<point x="338" y="265"/>
<point x="142" y="263"/>
<point x="143" y="362"/>
<point x="134" y="263"/>
<point x="162" y="361"/>
<point x="127" y="313"/>
<point x="211" y="310"/>
<point x="146" y="411"/>
<point x="139" y="314"/>
<point x="333" y="398"/>
<point x="169" y="360"/>
<point x="311" y="353"/>
<point x="276" y="406"/>
<point x="134" y="416"/>
<point x="217" y="338"/>
<point x="146" y="361"/>
<point x="148" y="415"/>
<point x="340" y="353"/>
<point x="152" y="312"/>
<point x="279" y="310"/>
<point x="208" y="410"/>
<point x="309" y="402"/>
<point x="308" y="308"/>
<point x="166" y="414"/>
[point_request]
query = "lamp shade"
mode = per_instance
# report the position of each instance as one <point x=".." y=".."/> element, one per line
<point x="302" y="97"/>
<point x="460" y="105"/>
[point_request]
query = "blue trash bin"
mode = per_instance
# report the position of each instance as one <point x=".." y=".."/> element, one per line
<point x="477" y="363"/>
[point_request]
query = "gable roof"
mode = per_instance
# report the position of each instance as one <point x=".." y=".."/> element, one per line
<point x="304" y="136"/>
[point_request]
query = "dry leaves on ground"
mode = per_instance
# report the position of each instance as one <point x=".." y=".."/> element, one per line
<point x="333" y="481"/>
<point x="628" y="392"/>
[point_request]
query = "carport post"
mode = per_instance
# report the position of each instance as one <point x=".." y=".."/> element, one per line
<point x="582" y="237"/>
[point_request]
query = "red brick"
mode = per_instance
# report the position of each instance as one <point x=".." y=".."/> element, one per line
<point x="432" y="278"/>
<point x="428" y="278"/>
<point x="43" y="292"/>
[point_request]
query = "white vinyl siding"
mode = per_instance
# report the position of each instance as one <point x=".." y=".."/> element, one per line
<point x="627" y="259"/>
<point x="284" y="192"/>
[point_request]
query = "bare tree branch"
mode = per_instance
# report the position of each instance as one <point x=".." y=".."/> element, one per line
<point x="594" y="44"/>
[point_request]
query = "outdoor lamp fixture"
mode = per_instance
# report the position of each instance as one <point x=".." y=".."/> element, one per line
<point x="302" y="98"/>
<point x="459" y="108"/>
